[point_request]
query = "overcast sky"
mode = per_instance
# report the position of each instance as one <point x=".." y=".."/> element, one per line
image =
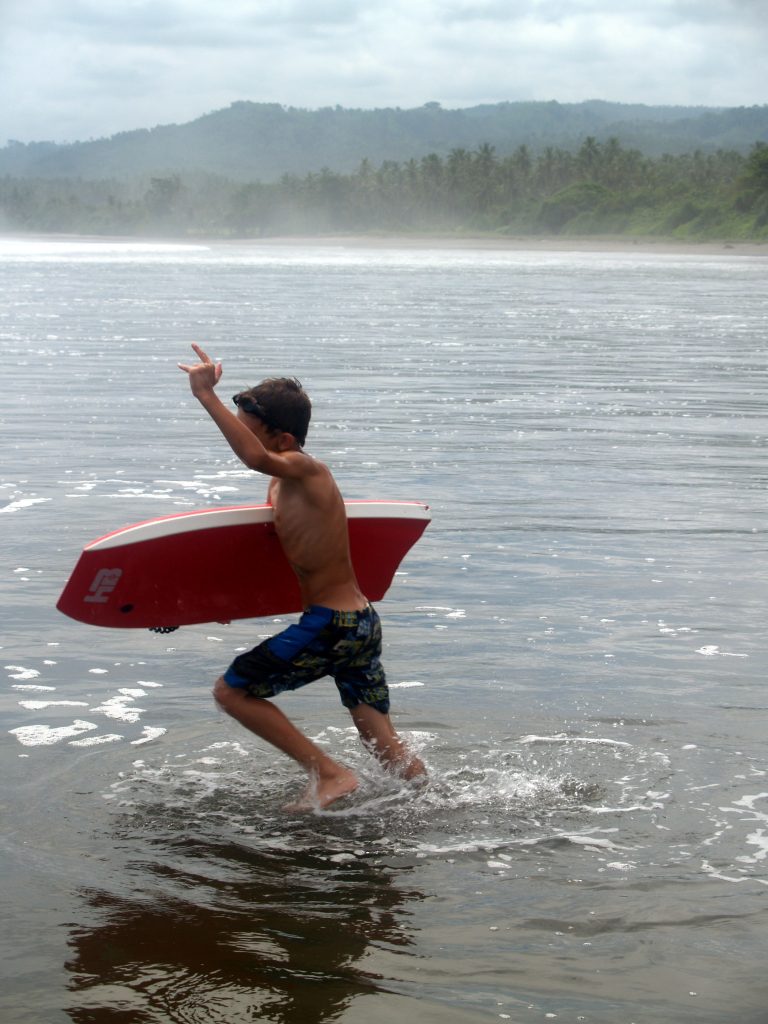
<point x="79" y="69"/>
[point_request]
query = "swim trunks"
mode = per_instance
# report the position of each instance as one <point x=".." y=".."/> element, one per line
<point x="324" y="642"/>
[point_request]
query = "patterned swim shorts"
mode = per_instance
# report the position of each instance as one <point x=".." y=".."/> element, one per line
<point x="324" y="642"/>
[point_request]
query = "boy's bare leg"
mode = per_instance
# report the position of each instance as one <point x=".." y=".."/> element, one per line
<point x="329" y="780"/>
<point x="379" y="735"/>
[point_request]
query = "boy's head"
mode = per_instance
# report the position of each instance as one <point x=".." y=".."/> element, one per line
<point x="282" y="405"/>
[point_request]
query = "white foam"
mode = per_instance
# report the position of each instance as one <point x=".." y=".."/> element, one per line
<point x="151" y="732"/>
<point x="563" y="738"/>
<point x="39" y="705"/>
<point x="118" y="707"/>
<point x="16" y="506"/>
<point x="19" y="672"/>
<point x="713" y="872"/>
<point x="592" y="842"/>
<point x="749" y="801"/>
<point x="95" y="741"/>
<point x="760" y="840"/>
<point x="710" y="650"/>
<point x="45" y="735"/>
<point x="234" y="745"/>
<point x="58" y="248"/>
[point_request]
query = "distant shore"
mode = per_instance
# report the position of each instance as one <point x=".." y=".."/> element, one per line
<point x="512" y="243"/>
<point x="519" y="243"/>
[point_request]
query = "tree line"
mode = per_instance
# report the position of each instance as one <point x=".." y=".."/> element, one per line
<point x="262" y="141"/>
<point x="598" y="188"/>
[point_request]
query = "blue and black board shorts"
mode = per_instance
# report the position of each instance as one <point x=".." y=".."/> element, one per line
<point x="324" y="642"/>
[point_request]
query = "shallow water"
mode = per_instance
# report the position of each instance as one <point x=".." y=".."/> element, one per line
<point x="576" y="646"/>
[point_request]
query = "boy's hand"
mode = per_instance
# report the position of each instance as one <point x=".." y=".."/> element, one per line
<point x="203" y="376"/>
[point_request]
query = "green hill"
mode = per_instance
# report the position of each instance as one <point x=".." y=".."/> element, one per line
<point x="264" y="141"/>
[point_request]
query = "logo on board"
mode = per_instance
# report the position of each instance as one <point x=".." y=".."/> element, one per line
<point x="104" y="582"/>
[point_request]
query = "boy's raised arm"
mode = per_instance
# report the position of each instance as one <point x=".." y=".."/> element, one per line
<point x="203" y="378"/>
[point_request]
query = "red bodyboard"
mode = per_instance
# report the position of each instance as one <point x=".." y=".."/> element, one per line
<point x="223" y="564"/>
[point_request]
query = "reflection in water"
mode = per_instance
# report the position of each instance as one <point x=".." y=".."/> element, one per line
<point x="243" y="913"/>
<point x="277" y="936"/>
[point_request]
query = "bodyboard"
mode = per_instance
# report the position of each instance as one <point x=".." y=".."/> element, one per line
<point x="217" y="565"/>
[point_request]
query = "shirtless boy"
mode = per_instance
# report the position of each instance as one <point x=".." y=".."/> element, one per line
<point x="339" y="633"/>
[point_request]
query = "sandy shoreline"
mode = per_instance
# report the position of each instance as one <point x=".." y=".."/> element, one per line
<point x="519" y="243"/>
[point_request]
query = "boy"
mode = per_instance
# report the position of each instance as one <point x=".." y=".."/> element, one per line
<point x="339" y="633"/>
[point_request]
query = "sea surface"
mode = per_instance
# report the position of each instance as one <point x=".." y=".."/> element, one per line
<point x="576" y="647"/>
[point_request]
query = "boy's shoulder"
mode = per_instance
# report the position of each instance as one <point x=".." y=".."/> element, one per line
<point x="304" y="470"/>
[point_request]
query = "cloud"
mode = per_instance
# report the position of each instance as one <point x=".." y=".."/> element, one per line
<point x="81" y="68"/>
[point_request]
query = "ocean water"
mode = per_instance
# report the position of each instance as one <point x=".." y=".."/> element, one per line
<point x="577" y="645"/>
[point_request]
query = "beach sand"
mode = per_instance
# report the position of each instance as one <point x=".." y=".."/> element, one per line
<point x="521" y="244"/>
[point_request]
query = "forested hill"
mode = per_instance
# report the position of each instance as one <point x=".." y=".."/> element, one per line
<point x="264" y="141"/>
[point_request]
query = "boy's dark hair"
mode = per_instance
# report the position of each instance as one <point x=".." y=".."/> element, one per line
<point x="281" y="403"/>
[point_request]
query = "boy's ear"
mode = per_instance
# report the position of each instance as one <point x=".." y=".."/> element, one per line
<point x="286" y="442"/>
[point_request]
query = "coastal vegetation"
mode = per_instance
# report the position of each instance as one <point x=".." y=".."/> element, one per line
<point x="248" y="142"/>
<point x="598" y="188"/>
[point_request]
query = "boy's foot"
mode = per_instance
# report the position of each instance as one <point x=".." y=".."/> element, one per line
<point x="322" y="792"/>
<point x="412" y="768"/>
